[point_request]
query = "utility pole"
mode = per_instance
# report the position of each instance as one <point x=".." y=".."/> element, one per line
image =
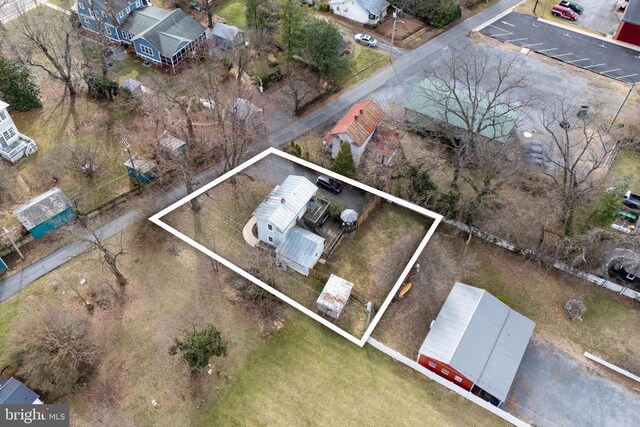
<point x="622" y="105"/>
<point x="393" y="31"/>
<point x="6" y="233"/>
<point x="127" y="149"/>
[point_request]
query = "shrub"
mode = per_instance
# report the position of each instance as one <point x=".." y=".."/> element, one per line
<point x="442" y="12"/>
<point x="16" y="86"/>
<point x="197" y="347"/>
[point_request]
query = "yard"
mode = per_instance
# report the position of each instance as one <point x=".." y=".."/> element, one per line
<point x="234" y="11"/>
<point x="607" y="330"/>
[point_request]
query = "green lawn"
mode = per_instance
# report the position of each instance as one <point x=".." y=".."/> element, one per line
<point x="234" y="12"/>
<point x="367" y="61"/>
<point x="308" y="375"/>
<point x="625" y="168"/>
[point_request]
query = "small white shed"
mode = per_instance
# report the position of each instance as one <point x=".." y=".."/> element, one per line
<point x="334" y="296"/>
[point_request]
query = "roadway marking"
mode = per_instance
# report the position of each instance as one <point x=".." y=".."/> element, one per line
<point x="548" y="50"/>
<point x="577" y="60"/>
<point x="610" y="71"/>
<point x="506" y="32"/>
<point x="517" y="40"/>
<point x="563" y="54"/>
<point x="628" y="75"/>
<point x="506" y="23"/>
<point x="596" y="65"/>
<point x="532" y="44"/>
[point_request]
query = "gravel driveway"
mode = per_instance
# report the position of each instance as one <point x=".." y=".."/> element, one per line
<point x="553" y="389"/>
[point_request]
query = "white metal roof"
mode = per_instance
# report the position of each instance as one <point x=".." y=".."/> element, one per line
<point x="41" y="208"/>
<point x="481" y="337"/>
<point x="284" y="204"/>
<point x="335" y="294"/>
<point x="301" y="247"/>
<point x="3" y="105"/>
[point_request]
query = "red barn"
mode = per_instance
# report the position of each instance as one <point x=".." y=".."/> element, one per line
<point x="477" y="342"/>
<point x="629" y="29"/>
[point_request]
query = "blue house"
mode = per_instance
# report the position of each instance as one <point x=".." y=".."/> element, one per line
<point x="158" y="35"/>
<point x="45" y="213"/>
<point x="3" y="265"/>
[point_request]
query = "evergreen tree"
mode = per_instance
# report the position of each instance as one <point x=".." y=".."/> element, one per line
<point x="292" y="22"/>
<point x="197" y="347"/>
<point x="16" y="86"/>
<point x="343" y="164"/>
<point x="321" y="47"/>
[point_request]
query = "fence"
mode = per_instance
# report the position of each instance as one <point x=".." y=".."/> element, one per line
<point x="452" y="387"/>
<point x="377" y="201"/>
<point x="592" y="278"/>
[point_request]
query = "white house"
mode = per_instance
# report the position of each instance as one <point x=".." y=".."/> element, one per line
<point x="355" y="128"/>
<point x="276" y="219"/>
<point x="13" y="144"/>
<point x="362" y="11"/>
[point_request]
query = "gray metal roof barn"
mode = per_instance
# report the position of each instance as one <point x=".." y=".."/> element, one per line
<point x="480" y="338"/>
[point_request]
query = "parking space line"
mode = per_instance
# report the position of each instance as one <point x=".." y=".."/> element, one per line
<point x="562" y="54"/>
<point x="548" y="50"/>
<point x="595" y="65"/>
<point x="577" y="60"/>
<point x="628" y="75"/>
<point x="517" y="40"/>
<point x="506" y="23"/>
<point x="610" y="71"/>
<point x="532" y="44"/>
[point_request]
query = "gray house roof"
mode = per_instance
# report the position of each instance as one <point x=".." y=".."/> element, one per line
<point x="301" y="247"/>
<point x="142" y="19"/>
<point x="286" y="201"/>
<point x="167" y="34"/>
<point x="227" y="32"/>
<point x="632" y="14"/>
<point x="375" y="7"/>
<point x="427" y="99"/>
<point x="41" y="208"/>
<point x="481" y="337"/>
<point x="170" y="142"/>
<point x="13" y="392"/>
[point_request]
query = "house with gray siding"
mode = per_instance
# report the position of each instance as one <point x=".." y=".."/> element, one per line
<point x="277" y="218"/>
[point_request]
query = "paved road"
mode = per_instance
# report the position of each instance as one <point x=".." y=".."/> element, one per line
<point x="590" y="53"/>
<point x="553" y="389"/>
<point x="275" y="169"/>
<point x="407" y="66"/>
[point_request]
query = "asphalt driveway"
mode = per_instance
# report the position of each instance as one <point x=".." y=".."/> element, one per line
<point x="577" y="49"/>
<point x="275" y="169"/>
<point x="553" y="389"/>
<point x="600" y="15"/>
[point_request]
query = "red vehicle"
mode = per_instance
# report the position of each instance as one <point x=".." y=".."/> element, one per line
<point x="564" y="12"/>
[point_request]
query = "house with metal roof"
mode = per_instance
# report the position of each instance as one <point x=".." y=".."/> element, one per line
<point x="300" y="250"/>
<point x="276" y="220"/>
<point x="362" y="11"/>
<point x="429" y="101"/>
<point x="158" y="35"/>
<point x="13" y="144"/>
<point x="355" y="128"/>
<point x="629" y="28"/>
<point x="477" y="342"/>
<point x="45" y="213"/>
<point x="13" y="392"/>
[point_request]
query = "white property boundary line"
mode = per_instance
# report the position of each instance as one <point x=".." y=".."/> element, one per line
<point x="448" y="384"/>
<point x="273" y="151"/>
<point x="612" y="366"/>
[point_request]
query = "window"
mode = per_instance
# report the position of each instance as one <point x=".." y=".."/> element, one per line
<point x="338" y="9"/>
<point x="3" y="115"/>
<point x="9" y="133"/>
<point x="104" y="14"/>
<point x="270" y="227"/>
<point x="432" y="364"/>
<point x="445" y="371"/>
<point x="270" y="239"/>
<point x="125" y="36"/>
<point x="372" y="17"/>
<point x="120" y="15"/>
<point x="81" y="6"/>
<point x="127" y="10"/>
<point x="139" y="3"/>
<point x="108" y="29"/>
<point x="87" y="20"/>
<point x="146" y="50"/>
<point x="91" y="13"/>
<point x="457" y="378"/>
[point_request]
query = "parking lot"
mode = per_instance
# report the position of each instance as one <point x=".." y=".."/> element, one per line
<point x="577" y="49"/>
<point x="600" y="15"/>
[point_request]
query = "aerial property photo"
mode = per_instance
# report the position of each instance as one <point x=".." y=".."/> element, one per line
<point x="330" y="246"/>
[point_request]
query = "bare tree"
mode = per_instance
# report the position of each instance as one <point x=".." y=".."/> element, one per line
<point x="51" y="39"/>
<point x="296" y="85"/>
<point x="110" y="250"/>
<point x="481" y="93"/>
<point x="579" y="151"/>
<point x="52" y="348"/>
<point x="89" y="159"/>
